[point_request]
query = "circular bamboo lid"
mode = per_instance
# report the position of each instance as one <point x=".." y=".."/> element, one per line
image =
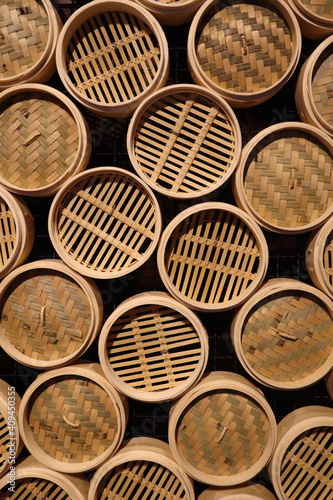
<point x="302" y="459"/>
<point x="172" y="12"/>
<point x="44" y="139"/>
<point x="10" y="442"/>
<point x="313" y="27"/>
<point x="283" y="335"/>
<point x="72" y="419"/>
<point x="29" y="32"/>
<point x="223" y="431"/>
<point x="105" y="222"/>
<point x="152" y="348"/>
<point x="247" y="491"/>
<point x="184" y="141"/>
<point x="319" y="257"/>
<point x="50" y="314"/>
<point x="246" y="51"/>
<point x="112" y="54"/>
<point x="146" y="468"/>
<point x="212" y="257"/>
<point x="285" y="178"/>
<point x="317" y="10"/>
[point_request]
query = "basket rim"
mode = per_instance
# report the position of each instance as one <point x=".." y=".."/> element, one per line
<point x="313" y="15"/>
<point x="173" y="90"/>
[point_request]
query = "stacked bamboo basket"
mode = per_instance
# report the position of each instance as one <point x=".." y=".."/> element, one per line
<point x="166" y="293"/>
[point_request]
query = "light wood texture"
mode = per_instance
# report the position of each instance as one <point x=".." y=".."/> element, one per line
<point x="172" y="12"/>
<point x="315" y="27"/>
<point x="319" y="257"/>
<point x="248" y="491"/>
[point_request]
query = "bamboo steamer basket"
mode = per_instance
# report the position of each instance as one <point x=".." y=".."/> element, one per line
<point x="29" y="31"/>
<point x="283" y="335"/>
<point x="329" y="384"/>
<point x="246" y="51"/>
<point x="285" y="178"/>
<point x="301" y="466"/>
<point x="212" y="257"/>
<point x="143" y="468"/>
<point x="34" y="481"/>
<point x="199" y="155"/>
<point x="17" y="231"/>
<point x="44" y="139"/>
<point x="112" y="54"/>
<point x="50" y="315"/>
<point x="105" y="222"/>
<point x="172" y="12"/>
<point x="247" y="491"/>
<point x="72" y="419"/>
<point x="152" y="348"/>
<point x="10" y="442"/>
<point x="222" y="431"/>
<point x="314" y="18"/>
<point x="318" y="257"/>
<point x="313" y="94"/>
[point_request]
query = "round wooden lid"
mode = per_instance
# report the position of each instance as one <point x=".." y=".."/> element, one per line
<point x="322" y="86"/>
<point x="321" y="11"/>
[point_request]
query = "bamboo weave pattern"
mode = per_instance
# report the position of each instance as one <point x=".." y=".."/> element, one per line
<point x="306" y="471"/>
<point x="36" y="489"/>
<point x="244" y="46"/>
<point x="24" y="33"/>
<point x="73" y="419"/>
<point x="112" y="57"/>
<point x="287" y="337"/>
<point x="328" y="259"/>
<point x="322" y="86"/>
<point x="45" y="316"/>
<point x="7" y="232"/>
<point x="4" y="441"/>
<point x="319" y="7"/>
<point x="39" y="141"/>
<point x="222" y="433"/>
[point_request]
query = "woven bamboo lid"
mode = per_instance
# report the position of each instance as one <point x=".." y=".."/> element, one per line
<point x="72" y="419"/>
<point x="29" y="31"/>
<point x="152" y="348"/>
<point x="212" y="257"/>
<point x="105" y="222"/>
<point x="247" y="491"/>
<point x="319" y="257"/>
<point x="301" y="465"/>
<point x="10" y="442"/>
<point x="111" y="54"/>
<point x="317" y="10"/>
<point x="172" y="12"/>
<point x="315" y="27"/>
<point x="143" y="468"/>
<point x="50" y="314"/>
<point x="44" y="139"/>
<point x="184" y="141"/>
<point x="246" y="51"/>
<point x="17" y="231"/>
<point x="223" y="431"/>
<point x="283" y="335"/>
<point x="313" y="95"/>
<point x="285" y="178"/>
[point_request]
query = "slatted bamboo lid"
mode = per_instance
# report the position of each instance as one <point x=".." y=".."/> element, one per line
<point x="72" y="419"/>
<point x="50" y="314"/>
<point x="285" y="178"/>
<point x="283" y="335"/>
<point x="29" y="31"/>
<point x="301" y="465"/>
<point x="223" y="431"/>
<point x="143" y="468"/>
<point x="184" y="141"/>
<point x="248" y="491"/>
<point x="10" y="442"/>
<point x="172" y="12"/>
<point x="111" y="54"/>
<point x="246" y="51"/>
<point x="105" y="222"/>
<point x="152" y="348"/>
<point x="212" y="257"/>
<point x="44" y="139"/>
<point x="313" y="94"/>
<point x="17" y="231"/>
<point x="34" y="481"/>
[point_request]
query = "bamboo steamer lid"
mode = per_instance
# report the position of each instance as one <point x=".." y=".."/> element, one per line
<point x="212" y="257"/>
<point x="144" y="468"/>
<point x="34" y="481"/>
<point x="44" y="139"/>
<point x="152" y="348"/>
<point x="285" y="178"/>
<point x="184" y="141"/>
<point x="313" y="94"/>
<point x="10" y="441"/>
<point x="172" y="12"/>
<point x="283" y="335"/>
<point x="315" y="18"/>
<point x="247" y="491"/>
<point x="72" y="419"/>
<point x="222" y="431"/>
<point x="301" y="464"/>
<point x="110" y="55"/>
<point x="17" y="231"/>
<point x="318" y="257"/>
<point x="50" y="314"/>
<point x="29" y="31"/>
<point x="246" y="51"/>
<point x="105" y="222"/>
